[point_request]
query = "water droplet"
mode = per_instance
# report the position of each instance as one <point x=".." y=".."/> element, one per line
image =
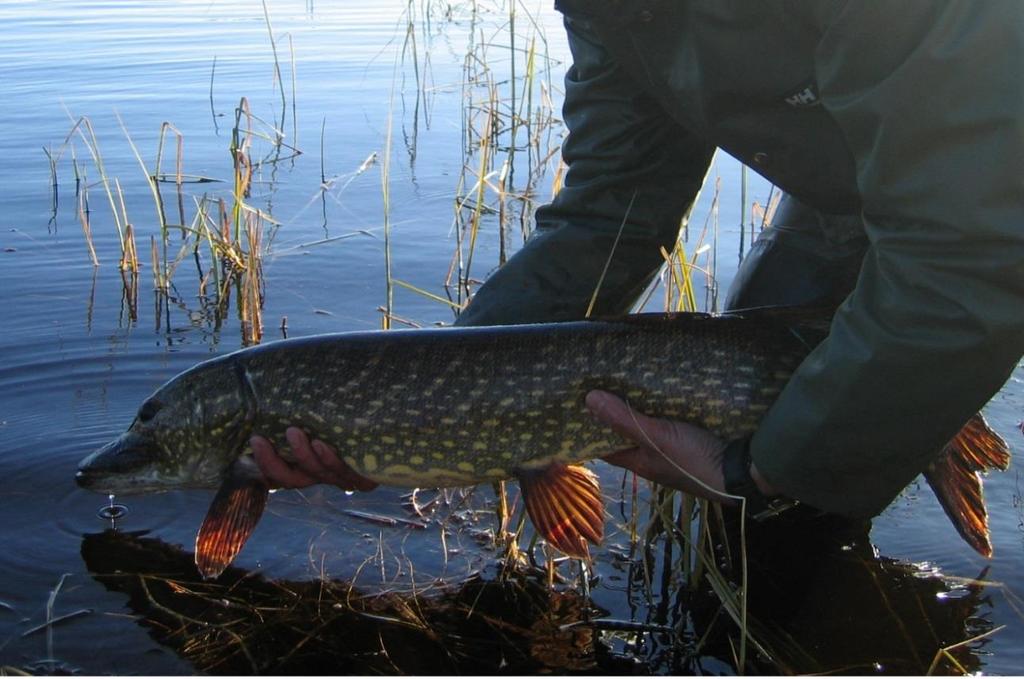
<point x="112" y="511"/>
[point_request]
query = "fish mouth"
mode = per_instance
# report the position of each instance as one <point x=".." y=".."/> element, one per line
<point x="127" y="464"/>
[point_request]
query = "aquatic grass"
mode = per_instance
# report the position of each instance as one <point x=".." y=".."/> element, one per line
<point x="295" y="108"/>
<point x="54" y="200"/>
<point x="493" y="127"/>
<point x="129" y="254"/>
<point x="679" y="270"/>
<point x="222" y="250"/>
<point x="385" y="187"/>
<point x="179" y="174"/>
<point x="425" y="293"/>
<point x="231" y="233"/>
<point x="83" y="129"/>
<point x="764" y="214"/>
<point x="671" y="521"/>
<point x="278" y="80"/>
<point x="250" y="296"/>
<point x="611" y="256"/>
<point x="213" y="110"/>
<point x="129" y="297"/>
<point x="508" y="538"/>
<point x="83" y="218"/>
<point x="485" y="144"/>
<point x="241" y="143"/>
<point x="499" y="105"/>
<point x="160" y="281"/>
<point x="946" y="652"/>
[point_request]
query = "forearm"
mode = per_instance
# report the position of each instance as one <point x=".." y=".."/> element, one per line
<point x="910" y="357"/>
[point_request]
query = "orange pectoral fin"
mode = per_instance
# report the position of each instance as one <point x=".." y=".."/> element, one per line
<point x="564" y="502"/>
<point x="229" y="522"/>
<point x="956" y="480"/>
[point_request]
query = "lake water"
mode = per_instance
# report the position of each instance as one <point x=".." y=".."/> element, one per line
<point x="81" y="352"/>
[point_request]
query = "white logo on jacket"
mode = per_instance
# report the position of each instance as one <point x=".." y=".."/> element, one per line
<point x="808" y="96"/>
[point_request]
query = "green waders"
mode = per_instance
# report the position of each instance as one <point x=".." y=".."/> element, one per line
<point x="806" y="257"/>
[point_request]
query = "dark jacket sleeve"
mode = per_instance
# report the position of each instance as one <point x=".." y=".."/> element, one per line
<point x="620" y="143"/>
<point x="933" y="116"/>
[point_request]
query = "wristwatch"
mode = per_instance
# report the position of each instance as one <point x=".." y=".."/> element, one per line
<point x="738" y="481"/>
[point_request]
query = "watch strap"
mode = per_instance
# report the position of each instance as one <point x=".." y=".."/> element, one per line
<point x="736" y="463"/>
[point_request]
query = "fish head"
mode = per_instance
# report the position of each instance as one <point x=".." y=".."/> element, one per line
<point x="185" y="435"/>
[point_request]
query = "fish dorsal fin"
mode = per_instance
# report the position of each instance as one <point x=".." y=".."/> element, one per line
<point x="813" y="321"/>
<point x="564" y="502"/>
<point x="956" y="480"/>
<point x="233" y="514"/>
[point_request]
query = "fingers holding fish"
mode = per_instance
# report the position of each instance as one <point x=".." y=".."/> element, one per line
<point x="343" y="475"/>
<point x="277" y="472"/>
<point x="315" y="462"/>
<point x="671" y="453"/>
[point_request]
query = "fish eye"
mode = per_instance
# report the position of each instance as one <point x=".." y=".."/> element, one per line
<point x="148" y="410"/>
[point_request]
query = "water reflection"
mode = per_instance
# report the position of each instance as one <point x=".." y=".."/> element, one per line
<point x="243" y="623"/>
<point x="821" y="601"/>
<point x="828" y="602"/>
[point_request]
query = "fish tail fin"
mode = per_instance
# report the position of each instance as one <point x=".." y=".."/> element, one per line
<point x="956" y="479"/>
<point x="231" y="519"/>
<point x="564" y="502"/>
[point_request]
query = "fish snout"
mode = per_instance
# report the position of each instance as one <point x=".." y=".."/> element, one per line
<point x="83" y="478"/>
<point x="122" y="462"/>
<point x="89" y="475"/>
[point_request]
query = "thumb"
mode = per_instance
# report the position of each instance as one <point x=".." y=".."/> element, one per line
<point x="639" y="460"/>
<point x="675" y="454"/>
<point x="613" y="411"/>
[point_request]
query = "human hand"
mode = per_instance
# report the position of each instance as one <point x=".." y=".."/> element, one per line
<point x="671" y="453"/>
<point x="315" y="462"/>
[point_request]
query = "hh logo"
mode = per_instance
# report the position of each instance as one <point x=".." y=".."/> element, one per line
<point x="806" y="96"/>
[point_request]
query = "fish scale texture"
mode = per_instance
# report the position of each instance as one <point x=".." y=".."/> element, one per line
<point x="462" y="406"/>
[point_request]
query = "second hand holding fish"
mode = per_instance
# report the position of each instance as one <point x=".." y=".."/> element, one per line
<point x="671" y="453"/>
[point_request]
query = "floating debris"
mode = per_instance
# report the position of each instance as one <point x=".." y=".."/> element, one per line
<point x="385" y="519"/>
<point x="59" y="619"/>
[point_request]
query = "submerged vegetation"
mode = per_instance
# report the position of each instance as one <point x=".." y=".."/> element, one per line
<point x="701" y="599"/>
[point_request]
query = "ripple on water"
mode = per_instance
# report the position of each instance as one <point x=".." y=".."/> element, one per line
<point x="65" y="397"/>
<point x="52" y="513"/>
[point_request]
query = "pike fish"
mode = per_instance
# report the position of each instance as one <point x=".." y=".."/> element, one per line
<point x="462" y="406"/>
